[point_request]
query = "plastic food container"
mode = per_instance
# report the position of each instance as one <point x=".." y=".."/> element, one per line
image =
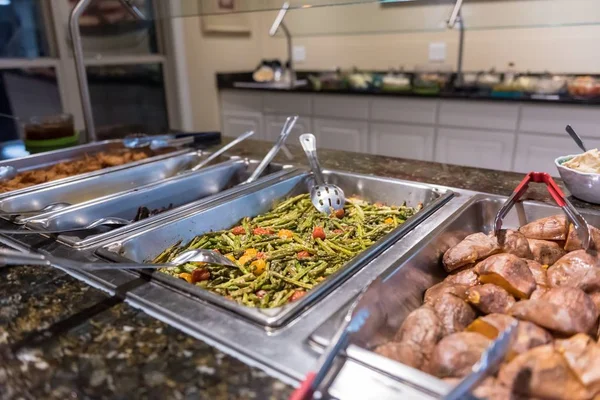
<point x="49" y="133"/>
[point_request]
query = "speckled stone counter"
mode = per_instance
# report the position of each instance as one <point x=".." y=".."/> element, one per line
<point x="61" y="339"/>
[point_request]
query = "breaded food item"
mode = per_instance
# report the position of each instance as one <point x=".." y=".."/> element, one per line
<point x="473" y="248"/>
<point x="490" y="298"/>
<point x="509" y="272"/>
<point x="455" y="355"/>
<point x="546" y="252"/>
<point x="549" y="228"/>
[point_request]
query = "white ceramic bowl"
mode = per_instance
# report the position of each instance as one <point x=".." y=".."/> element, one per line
<point x="583" y="185"/>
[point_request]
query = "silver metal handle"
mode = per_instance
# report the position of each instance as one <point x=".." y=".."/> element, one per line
<point x="222" y="150"/>
<point x="285" y="132"/>
<point x="575" y="137"/>
<point x="165" y="142"/>
<point x="455" y="15"/>
<point x="309" y="144"/>
<point x="13" y="257"/>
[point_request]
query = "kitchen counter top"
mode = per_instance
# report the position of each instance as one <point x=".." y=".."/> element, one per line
<point x="60" y="338"/>
<point x="227" y="81"/>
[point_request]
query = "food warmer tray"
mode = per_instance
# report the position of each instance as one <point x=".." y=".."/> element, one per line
<point x="72" y="153"/>
<point x="192" y="189"/>
<point x="146" y="243"/>
<point x="99" y="185"/>
<point x="402" y="285"/>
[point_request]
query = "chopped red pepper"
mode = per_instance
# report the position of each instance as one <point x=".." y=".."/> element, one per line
<point x="303" y="254"/>
<point x="298" y="294"/>
<point x="262" y="231"/>
<point x="238" y="230"/>
<point x="200" y="274"/>
<point x="340" y="213"/>
<point x="260" y="255"/>
<point x="338" y="231"/>
<point x="318" y="232"/>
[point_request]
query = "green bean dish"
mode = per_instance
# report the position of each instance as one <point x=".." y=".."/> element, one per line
<point x="282" y="254"/>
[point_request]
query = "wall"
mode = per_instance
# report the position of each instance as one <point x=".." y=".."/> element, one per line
<point x="569" y="48"/>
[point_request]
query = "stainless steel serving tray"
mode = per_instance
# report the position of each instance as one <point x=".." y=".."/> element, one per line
<point x="191" y="189"/>
<point x="106" y="183"/>
<point x="72" y="153"/>
<point x="147" y="243"/>
<point x="399" y="290"/>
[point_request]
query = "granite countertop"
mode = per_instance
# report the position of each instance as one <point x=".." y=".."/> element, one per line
<point x="60" y="338"/>
<point x="227" y="81"/>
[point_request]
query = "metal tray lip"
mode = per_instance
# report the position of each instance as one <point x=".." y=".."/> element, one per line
<point x="278" y="317"/>
<point x="394" y="369"/>
<point x="98" y="172"/>
<point x="168" y="215"/>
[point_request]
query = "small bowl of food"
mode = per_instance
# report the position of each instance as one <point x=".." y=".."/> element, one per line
<point x="581" y="175"/>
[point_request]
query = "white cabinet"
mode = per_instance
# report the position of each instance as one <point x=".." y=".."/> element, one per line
<point x="398" y="140"/>
<point x="274" y="123"/>
<point x="237" y="122"/>
<point x="341" y="134"/>
<point x="538" y="152"/>
<point x="476" y="148"/>
<point x="553" y="119"/>
<point x="479" y="114"/>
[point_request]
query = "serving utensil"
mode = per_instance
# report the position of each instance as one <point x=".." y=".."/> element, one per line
<point x="11" y="257"/>
<point x="285" y="132"/>
<point x="222" y="150"/>
<point x="141" y="140"/>
<point x="325" y="197"/>
<point x="50" y="207"/>
<point x="581" y="226"/>
<point x="575" y="137"/>
<point x="490" y="360"/>
<point x="7" y="172"/>
<point x="108" y="221"/>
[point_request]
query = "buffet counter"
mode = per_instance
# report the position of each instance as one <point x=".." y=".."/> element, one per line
<point x="61" y="337"/>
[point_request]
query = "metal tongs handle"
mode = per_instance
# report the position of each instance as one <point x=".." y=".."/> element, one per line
<point x="581" y="226"/>
<point x="222" y="150"/>
<point x="285" y="132"/>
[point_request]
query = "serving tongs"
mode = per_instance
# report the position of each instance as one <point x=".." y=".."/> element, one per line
<point x="581" y="226"/>
<point x="12" y="257"/>
<point x="487" y="365"/>
<point x="141" y="140"/>
<point x="222" y="150"/>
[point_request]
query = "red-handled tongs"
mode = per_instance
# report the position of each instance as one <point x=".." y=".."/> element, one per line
<point x="581" y="226"/>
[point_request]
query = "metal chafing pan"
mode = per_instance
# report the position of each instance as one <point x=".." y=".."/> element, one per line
<point x="99" y="185"/>
<point x="400" y="289"/>
<point x="145" y="244"/>
<point x="192" y="190"/>
<point x="73" y="153"/>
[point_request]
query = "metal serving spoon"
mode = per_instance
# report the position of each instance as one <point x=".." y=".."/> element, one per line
<point x="109" y="221"/>
<point x="575" y="137"/>
<point x="12" y="257"/>
<point x="325" y="197"/>
<point x="140" y="140"/>
<point x="50" y="207"/>
<point x="7" y="172"/>
<point x="222" y="150"/>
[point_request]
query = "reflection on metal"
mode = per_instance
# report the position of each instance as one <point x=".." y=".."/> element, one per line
<point x="274" y="28"/>
<point x="133" y="9"/>
<point x="84" y="91"/>
<point x="456" y="17"/>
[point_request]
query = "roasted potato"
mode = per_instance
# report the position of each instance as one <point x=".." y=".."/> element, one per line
<point x="515" y="243"/>
<point x="528" y="336"/>
<point x="509" y="272"/>
<point x="416" y="338"/>
<point x="434" y="292"/>
<point x="455" y="355"/>
<point x="545" y="252"/>
<point x="473" y="248"/>
<point x="549" y="228"/>
<point x="574" y="243"/>
<point x="542" y="373"/>
<point x="490" y="298"/>
<point x="576" y="269"/>
<point x="489" y="389"/>
<point x="454" y="313"/>
<point x="565" y="310"/>
<point x="538" y="292"/>
<point x="465" y="277"/>
<point x="582" y="355"/>
<point x="539" y="272"/>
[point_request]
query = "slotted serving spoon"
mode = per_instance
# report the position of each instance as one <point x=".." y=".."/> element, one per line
<point x="108" y="221"/>
<point x="326" y="197"/>
<point x="12" y="257"/>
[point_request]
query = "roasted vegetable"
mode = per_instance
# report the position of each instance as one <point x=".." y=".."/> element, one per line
<point x="539" y="273"/>
<point x="466" y="277"/>
<point x="515" y="243"/>
<point x="576" y="269"/>
<point x="565" y="310"/>
<point x="416" y="338"/>
<point x="489" y="389"/>
<point x="454" y="313"/>
<point x="274" y="268"/>
<point x="549" y="228"/>
<point x="455" y="355"/>
<point x="545" y="252"/>
<point x="473" y="248"/>
<point x="434" y="292"/>
<point x="490" y="298"/>
<point x="509" y="272"/>
<point x="582" y="355"/>
<point x="542" y="373"/>
<point x="574" y="243"/>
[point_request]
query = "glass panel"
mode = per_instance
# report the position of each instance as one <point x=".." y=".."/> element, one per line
<point x="127" y="99"/>
<point x="25" y="93"/>
<point x="108" y="28"/>
<point x="22" y="30"/>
